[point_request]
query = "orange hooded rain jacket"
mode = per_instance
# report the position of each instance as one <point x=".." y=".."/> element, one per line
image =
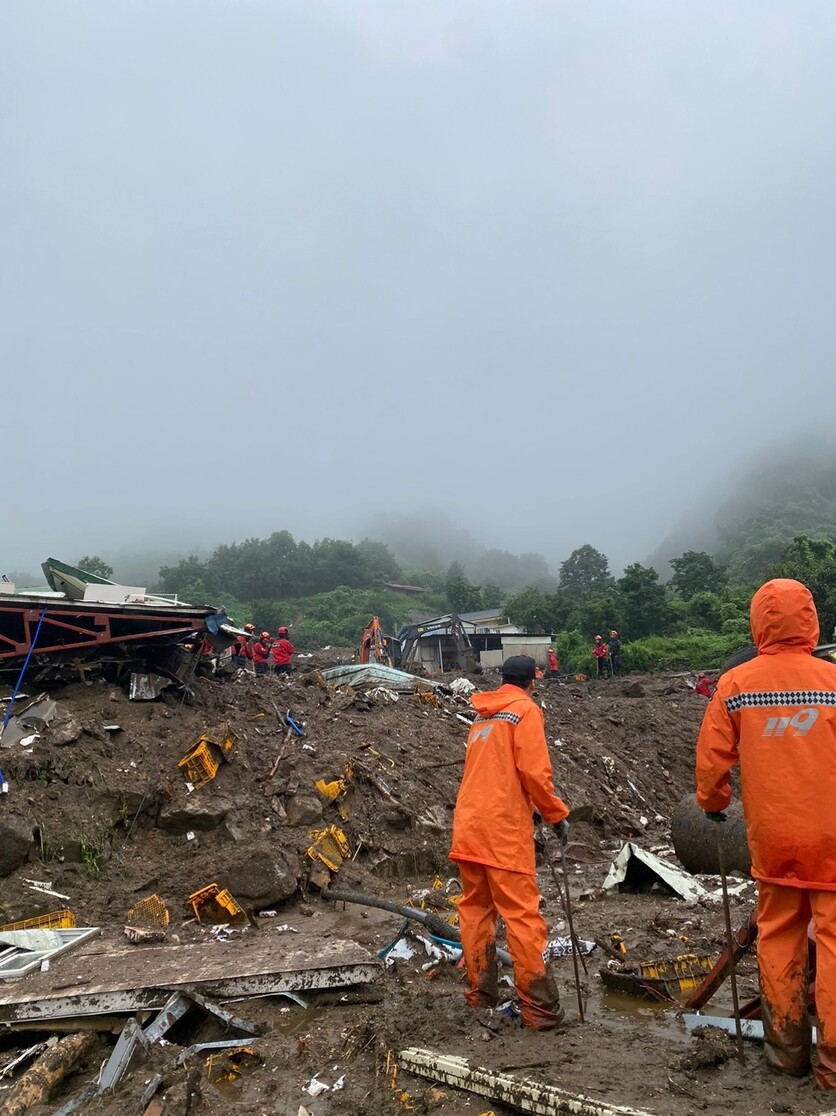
<point x="507" y="775"/>
<point x="776" y="714"/>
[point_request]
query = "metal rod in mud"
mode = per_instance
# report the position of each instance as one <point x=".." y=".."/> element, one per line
<point x="563" y="900"/>
<point x="572" y="937"/>
<point x="730" y="943"/>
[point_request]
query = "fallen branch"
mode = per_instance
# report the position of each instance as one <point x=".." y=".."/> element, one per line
<point x="53" y="1066"/>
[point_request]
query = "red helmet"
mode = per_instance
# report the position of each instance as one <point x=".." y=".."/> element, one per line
<point x="282" y="631"/>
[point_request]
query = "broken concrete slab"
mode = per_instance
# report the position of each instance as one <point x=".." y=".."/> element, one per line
<point x="106" y="976"/>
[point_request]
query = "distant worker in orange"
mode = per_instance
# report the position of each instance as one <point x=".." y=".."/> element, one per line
<point x="507" y="776"/>
<point x="282" y="651"/>
<point x="703" y="686"/>
<point x="599" y="650"/>
<point x="776" y="716"/>
<point x="615" y="654"/>
<point x="554" y="665"/>
<point x="261" y="653"/>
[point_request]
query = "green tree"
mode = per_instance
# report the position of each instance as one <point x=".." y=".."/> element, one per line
<point x="705" y="610"/>
<point x="813" y="562"/>
<point x="462" y="595"/>
<point x="92" y="563"/>
<point x="584" y="572"/>
<point x="530" y="610"/>
<point x="697" y="572"/>
<point x="641" y="600"/>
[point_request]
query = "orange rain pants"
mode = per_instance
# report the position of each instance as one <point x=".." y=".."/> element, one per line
<point x="488" y="892"/>
<point x="783" y="916"/>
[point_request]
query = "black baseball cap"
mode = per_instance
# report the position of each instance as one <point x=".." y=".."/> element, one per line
<point x="519" y="668"/>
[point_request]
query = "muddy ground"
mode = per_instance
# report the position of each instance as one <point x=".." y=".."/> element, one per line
<point x="113" y="822"/>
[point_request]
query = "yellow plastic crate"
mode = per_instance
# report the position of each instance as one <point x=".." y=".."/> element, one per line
<point x="200" y="765"/>
<point x="150" y="911"/>
<point x="684" y="972"/>
<point x="215" y="904"/>
<point x="57" y="920"/>
<point x="224" y="737"/>
<point x="330" y="846"/>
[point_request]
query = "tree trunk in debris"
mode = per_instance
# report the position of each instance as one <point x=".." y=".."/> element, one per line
<point x="53" y="1066"/>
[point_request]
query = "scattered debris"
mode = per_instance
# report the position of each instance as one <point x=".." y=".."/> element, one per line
<point x="27" y="950"/>
<point x="636" y="869"/>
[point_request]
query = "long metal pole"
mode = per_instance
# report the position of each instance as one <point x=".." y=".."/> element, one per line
<point x="567" y="907"/>
<point x="738" y="1026"/>
<point x="572" y="937"/>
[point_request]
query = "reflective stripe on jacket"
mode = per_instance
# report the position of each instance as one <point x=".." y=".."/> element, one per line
<point x="507" y="775"/>
<point x="776" y="715"/>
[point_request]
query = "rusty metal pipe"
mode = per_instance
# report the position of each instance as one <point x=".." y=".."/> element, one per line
<point x="695" y="838"/>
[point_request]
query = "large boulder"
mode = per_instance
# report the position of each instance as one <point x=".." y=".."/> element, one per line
<point x="303" y="809"/>
<point x="17" y="841"/>
<point x="264" y="875"/>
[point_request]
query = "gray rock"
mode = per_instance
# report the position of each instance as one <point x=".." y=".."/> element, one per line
<point x="65" y="732"/>
<point x="264" y="875"/>
<point x="17" y="841"/>
<point x="303" y="809"/>
<point x="198" y="812"/>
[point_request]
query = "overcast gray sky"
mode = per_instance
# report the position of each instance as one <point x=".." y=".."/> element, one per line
<point x="551" y="268"/>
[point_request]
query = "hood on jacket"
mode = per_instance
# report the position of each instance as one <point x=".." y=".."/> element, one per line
<point x="494" y="701"/>
<point x="783" y="615"/>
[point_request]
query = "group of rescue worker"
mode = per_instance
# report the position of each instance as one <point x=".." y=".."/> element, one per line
<point x="260" y="652"/>
<point x="775" y="715"/>
<point x="607" y="656"/>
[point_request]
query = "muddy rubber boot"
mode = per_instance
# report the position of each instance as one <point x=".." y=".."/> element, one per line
<point x="540" y="1004"/>
<point x="485" y="994"/>
<point x="788" y="1049"/>
<point x="825" y="1067"/>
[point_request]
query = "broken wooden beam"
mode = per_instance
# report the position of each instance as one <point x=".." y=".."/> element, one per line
<point x="521" y="1093"/>
<point x="53" y="1066"/>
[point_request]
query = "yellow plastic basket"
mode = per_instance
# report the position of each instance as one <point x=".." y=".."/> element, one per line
<point x="200" y="765"/>
<point x="57" y="920"/>
<point x="150" y="911"/>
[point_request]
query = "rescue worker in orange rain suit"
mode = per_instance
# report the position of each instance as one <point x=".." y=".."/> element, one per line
<point x="776" y="714"/>
<point x="507" y="775"/>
